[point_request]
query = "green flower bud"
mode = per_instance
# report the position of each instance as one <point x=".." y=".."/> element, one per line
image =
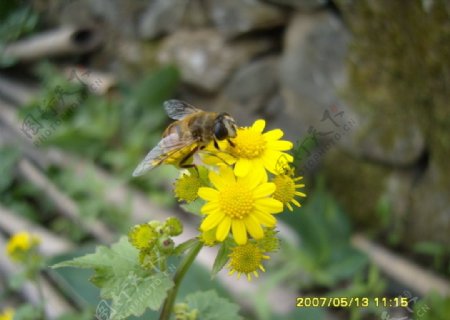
<point x="166" y="245"/>
<point x="143" y="236"/>
<point x="173" y="227"/>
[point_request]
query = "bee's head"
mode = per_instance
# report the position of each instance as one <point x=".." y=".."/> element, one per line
<point x="224" y="127"/>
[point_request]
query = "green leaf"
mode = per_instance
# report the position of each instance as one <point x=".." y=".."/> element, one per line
<point x="326" y="254"/>
<point x="17" y="280"/>
<point x="221" y="259"/>
<point x="121" y="257"/>
<point x="212" y="307"/>
<point x="27" y="312"/>
<point x="131" y="288"/>
<point x="182" y="247"/>
<point x="194" y="206"/>
<point x="133" y="294"/>
<point x="9" y="158"/>
<point x="432" y="307"/>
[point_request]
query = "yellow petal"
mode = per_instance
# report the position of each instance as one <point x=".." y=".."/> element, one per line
<point x="269" y="205"/>
<point x="210" y="207"/>
<point x="239" y="231"/>
<point x="273" y="135"/>
<point x="281" y="145"/>
<point x="254" y="227"/>
<point x="255" y="176"/>
<point x="242" y="167"/>
<point x="259" y="125"/>
<point x="223" y="229"/>
<point x="223" y="178"/>
<point x="211" y="221"/>
<point x="264" y="218"/>
<point x="275" y="160"/>
<point x="208" y="194"/>
<point x="264" y="190"/>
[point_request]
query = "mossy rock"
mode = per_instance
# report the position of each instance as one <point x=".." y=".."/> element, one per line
<point x="398" y="68"/>
<point x="398" y="65"/>
<point x="358" y="186"/>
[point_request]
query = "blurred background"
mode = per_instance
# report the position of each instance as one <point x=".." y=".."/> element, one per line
<point x="361" y="87"/>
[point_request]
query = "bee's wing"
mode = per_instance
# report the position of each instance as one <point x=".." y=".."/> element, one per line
<point x="163" y="150"/>
<point x="177" y="109"/>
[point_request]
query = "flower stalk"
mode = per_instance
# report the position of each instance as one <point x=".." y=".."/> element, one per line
<point x="178" y="277"/>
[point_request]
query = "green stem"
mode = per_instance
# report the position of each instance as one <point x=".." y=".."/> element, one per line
<point x="178" y="277"/>
<point x="41" y="296"/>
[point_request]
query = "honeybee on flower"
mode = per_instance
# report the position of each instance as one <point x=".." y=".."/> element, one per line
<point x="192" y="131"/>
<point x="239" y="184"/>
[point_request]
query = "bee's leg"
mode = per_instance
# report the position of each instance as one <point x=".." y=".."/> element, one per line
<point x="185" y="165"/>
<point x="216" y="156"/>
<point x="231" y="143"/>
<point x="216" y="145"/>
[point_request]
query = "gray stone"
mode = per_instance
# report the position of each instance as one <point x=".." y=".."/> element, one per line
<point x="161" y="17"/>
<point x="387" y="139"/>
<point x="233" y="17"/>
<point x="313" y="73"/>
<point x="250" y="90"/>
<point x="206" y="60"/>
<point x="305" y="5"/>
<point x="312" y="70"/>
<point x="117" y="17"/>
<point x="429" y="215"/>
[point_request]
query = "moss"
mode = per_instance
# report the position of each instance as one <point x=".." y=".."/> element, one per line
<point x="399" y="67"/>
<point x="358" y="186"/>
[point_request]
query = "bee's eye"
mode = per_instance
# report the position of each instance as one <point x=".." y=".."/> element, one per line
<point x="220" y="131"/>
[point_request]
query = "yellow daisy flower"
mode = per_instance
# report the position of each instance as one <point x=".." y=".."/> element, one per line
<point x="208" y="237"/>
<point x="143" y="236"/>
<point x="241" y="204"/>
<point x="246" y="259"/>
<point x="21" y="243"/>
<point x="186" y="187"/>
<point x="286" y="190"/>
<point x="7" y="314"/>
<point x="255" y="150"/>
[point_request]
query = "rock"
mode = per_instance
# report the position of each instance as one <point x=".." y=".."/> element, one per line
<point x="306" y="5"/>
<point x="429" y="214"/>
<point x="358" y="186"/>
<point x="206" y="60"/>
<point x="161" y="17"/>
<point x="388" y="139"/>
<point x="115" y="17"/>
<point x="401" y="85"/>
<point x="234" y="17"/>
<point x="414" y="204"/>
<point x="312" y="69"/>
<point x="250" y="89"/>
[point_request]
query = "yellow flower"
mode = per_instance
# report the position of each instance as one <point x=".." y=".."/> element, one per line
<point x="286" y="190"/>
<point x="143" y="236"/>
<point x="21" y="243"/>
<point x="208" y="237"/>
<point x="7" y="314"/>
<point x="241" y="204"/>
<point x="246" y="259"/>
<point x="269" y="242"/>
<point x="255" y="150"/>
<point x="186" y="187"/>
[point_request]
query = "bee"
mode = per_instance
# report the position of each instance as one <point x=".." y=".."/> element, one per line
<point x="192" y="131"/>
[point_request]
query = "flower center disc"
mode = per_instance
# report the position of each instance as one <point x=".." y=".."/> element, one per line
<point x="285" y="188"/>
<point x="236" y="201"/>
<point x="248" y="144"/>
<point x="246" y="258"/>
